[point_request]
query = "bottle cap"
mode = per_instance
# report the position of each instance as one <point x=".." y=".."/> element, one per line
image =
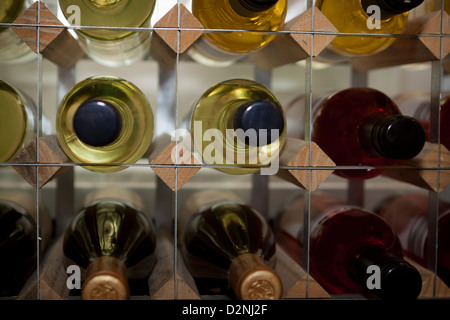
<point x="262" y="116"/>
<point x="391" y="8"/>
<point x="258" y="5"/>
<point x="398" y="137"/>
<point x="252" y="279"/>
<point x="97" y="122"/>
<point x="105" y="280"/>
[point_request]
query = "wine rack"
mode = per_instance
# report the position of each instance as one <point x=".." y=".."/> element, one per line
<point x="289" y="66"/>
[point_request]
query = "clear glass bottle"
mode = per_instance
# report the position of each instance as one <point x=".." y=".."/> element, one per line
<point x="408" y="215"/>
<point x="113" y="238"/>
<point x="18" y="121"/>
<point x="344" y="242"/>
<point x="361" y="126"/>
<point x="13" y="50"/>
<point x="238" y="122"/>
<point x="104" y="122"/>
<point x="18" y="238"/>
<point x="228" y="247"/>
<point x="353" y="16"/>
<point x="224" y="47"/>
<point x="115" y="45"/>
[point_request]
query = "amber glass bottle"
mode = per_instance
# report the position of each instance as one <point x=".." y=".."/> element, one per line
<point x="225" y="46"/>
<point x="368" y="17"/>
<point x="113" y="238"/>
<point x="116" y="45"/>
<point x="104" y="122"/>
<point x="18" y="238"/>
<point x="238" y="122"/>
<point x="228" y="246"/>
<point x="344" y="242"/>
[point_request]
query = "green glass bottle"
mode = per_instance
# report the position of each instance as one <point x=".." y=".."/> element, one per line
<point x="13" y="50"/>
<point x="238" y="123"/>
<point x="116" y="46"/>
<point x="228" y="247"/>
<point x="18" y="238"/>
<point x="368" y="17"/>
<point x="223" y="48"/>
<point x="104" y="122"/>
<point x="18" y="121"/>
<point x="113" y="238"/>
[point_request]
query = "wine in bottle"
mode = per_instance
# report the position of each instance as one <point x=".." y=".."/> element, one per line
<point x="18" y="121"/>
<point x="362" y="126"/>
<point x="19" y="228"/>
<point x="346" y="244"/>
<point x="238" y="122"/>
<point x="113" y="238"/>
<point x="228" y="247"/>
<point x="371" y="18"/>
<point x="417" y="105"/>
<point x="13" y="50"/>
<point x="104" y="122"/>
<point x="408" y="216"/>
<point x="224" y="47"/>
<point x="116" y="44"/>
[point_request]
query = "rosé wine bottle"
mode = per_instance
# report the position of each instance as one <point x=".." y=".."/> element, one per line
<point x="344" y="242"/>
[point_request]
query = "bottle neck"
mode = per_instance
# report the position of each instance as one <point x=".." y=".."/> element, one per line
<point x="391" y="8"/>
<point x="391" y="277"/>
<point x="252" y="279"/>
<point x="391" y="136"/>
<point x="106" y="279"/>
<point x="250" y="8"/>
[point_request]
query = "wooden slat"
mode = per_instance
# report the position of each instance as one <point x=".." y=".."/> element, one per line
<point x="291" y="46"/>
<point x="422" y="44"/>
<point x="55" y="42"/>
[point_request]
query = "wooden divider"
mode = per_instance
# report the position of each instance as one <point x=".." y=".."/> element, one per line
<point x="55" y="42"/>
<point x="422" y="42"/>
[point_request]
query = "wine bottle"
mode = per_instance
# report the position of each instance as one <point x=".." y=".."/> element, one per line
<point x="113" y="47"/>
<point x="18" y="121"/>
<point x="417" y="105"/>
<point x="223" y="48"/>
<point x="371" y="18"/>
<point x="408" y="214"/>
<point x="246" y="123"/>
<point x="104" y="122"/>
<point x="346" y="244"/>
<point x="228" y="246"/>
<point x="18" y="238"/>
<point x="13" y="49"/>
<point x="362" y="126"/>
<point x="113" y="238"/>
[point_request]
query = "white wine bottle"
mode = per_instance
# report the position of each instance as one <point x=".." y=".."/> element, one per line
<point x="116" y="45"/>
<point x="371" y="18"/>
<point x="104" y="122"/>
<point x="13" y="50"/>
<point x="18" y="121"/>
<point x="223" y="48"/>
<point x="238" y="123"/>
<point x="228" y="247"/>
<point x="113" y="238"/>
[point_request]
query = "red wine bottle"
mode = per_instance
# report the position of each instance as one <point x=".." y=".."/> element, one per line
<point x="344" y="242"/>
<point x="18" y="239"/>
<point x="364" y="127"/>
<point x="417" y="105"/>
<point x="113" y="239"/>
<point x="408" y="215"/>
<point x="228" y="247"/>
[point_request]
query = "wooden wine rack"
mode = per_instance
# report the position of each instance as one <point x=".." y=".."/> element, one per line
<point x="302" y="163"/>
